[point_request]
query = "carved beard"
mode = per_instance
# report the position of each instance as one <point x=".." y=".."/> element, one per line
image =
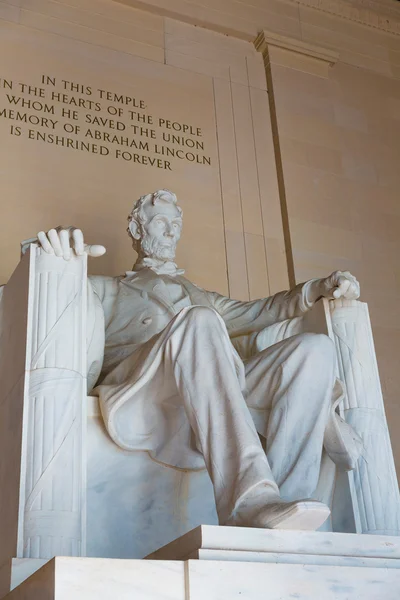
<point x="152" y="248"/>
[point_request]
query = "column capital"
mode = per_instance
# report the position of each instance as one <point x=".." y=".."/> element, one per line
<point x="292" y="52"/>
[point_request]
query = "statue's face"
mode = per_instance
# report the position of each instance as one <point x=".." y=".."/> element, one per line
<point x="161" y="231"/>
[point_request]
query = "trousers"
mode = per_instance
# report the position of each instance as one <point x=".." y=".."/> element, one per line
<point x="283" y="393"/>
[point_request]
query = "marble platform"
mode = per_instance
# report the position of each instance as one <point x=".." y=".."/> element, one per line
<point x="225" y="562"/>
<point x="241" y="544"/>
<point x="64" y="578"/>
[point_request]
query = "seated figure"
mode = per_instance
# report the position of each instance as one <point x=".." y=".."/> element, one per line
<point x="196" y="378"/>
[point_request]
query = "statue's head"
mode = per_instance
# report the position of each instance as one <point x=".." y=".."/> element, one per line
<point x="155" y="225"/>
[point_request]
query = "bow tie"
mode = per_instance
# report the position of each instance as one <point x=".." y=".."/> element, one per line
<point x="158" y="266"/>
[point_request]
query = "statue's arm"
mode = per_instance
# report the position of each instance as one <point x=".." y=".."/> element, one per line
<point x="244" y="318"/>
<point x="248" y="318"/>
<point x="95" y="336"/>
<point x="101" y="295"/>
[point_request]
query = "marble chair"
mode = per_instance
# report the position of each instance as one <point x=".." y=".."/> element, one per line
<point x="67" y="489"/>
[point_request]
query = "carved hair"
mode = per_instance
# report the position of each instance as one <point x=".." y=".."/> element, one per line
<point x="138" y="214"/>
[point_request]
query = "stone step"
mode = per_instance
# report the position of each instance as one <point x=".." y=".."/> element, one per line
<point x="210" y="542"/>
<point x="119" y="579"/>
<point x="70" y="578"/>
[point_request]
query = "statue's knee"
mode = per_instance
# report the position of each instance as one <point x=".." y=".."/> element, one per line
<point x="202" y="315"/>
<point x="318" y="345"/>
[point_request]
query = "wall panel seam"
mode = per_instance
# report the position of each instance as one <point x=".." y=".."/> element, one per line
<point x="258" y="182"/>
<point x="280" y="174"/>
<point x="80" y="25"/>
<point x="239" y="184"/>
<point x="91" y="12"/>
<point x="221" y="190"/>
<point x="95" y="44"/>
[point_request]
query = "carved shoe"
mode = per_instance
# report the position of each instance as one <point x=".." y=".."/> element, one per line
<point x="302" y="514"/>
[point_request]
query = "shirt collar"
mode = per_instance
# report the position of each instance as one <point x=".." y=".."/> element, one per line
<point x="158" y="266"/>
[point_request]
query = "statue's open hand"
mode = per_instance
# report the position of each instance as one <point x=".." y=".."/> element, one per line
<point x="63" y="242"/>
<point x="341" y="284"/>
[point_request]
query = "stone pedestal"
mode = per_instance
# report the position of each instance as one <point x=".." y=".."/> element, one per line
<point x="231" y="563"/>
<point x="242" y="544"/>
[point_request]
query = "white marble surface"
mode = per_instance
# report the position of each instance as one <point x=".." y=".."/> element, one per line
<point x="22" y="568"/>
<point x="251" y="581"/>
<point x="159" y="327"/>
<point x="53" y="472"/>
<point x="13" y="345"/>
<point x="64" y="578"/>
<point x="293" y="559"/>
<point x="101" y="579"/>
<point x="373" y="483"/>
<point x="233" y="543"/>
<point x="136" y="505"/>
<point x="43" y="407"/>
<point x="172" y="400"/>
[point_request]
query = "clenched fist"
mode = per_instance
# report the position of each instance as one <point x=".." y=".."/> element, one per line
<point x="341" y="284"/>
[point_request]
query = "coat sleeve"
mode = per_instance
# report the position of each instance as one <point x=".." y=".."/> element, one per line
<point x="95" y="336"/>
<point x="101" y="295"/>
<point x="246" y="318"/>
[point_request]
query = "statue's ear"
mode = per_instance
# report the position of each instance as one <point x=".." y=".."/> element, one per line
<point x="134" y="229"/>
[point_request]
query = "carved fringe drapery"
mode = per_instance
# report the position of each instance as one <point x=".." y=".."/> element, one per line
<point x="375" y="491"/>
<point x="53" y="484"/>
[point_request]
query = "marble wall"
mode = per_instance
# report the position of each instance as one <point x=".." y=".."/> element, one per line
<point x="339" y="137"/>
<point x="184" y="75"/>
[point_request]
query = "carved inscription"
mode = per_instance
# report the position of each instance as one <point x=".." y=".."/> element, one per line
<point x="89" y="119"/>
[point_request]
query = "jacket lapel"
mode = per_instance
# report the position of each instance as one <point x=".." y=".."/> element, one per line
<point x="196" y="294"/>
<point x="150" y="286"/>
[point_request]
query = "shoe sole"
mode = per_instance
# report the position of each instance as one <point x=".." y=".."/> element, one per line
<point x="304" y="516"/>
